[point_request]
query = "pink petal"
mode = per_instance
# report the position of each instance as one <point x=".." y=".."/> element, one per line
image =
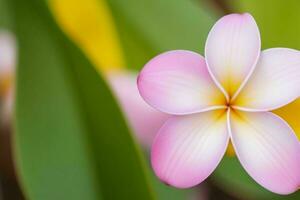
<point x="274" y="83"/>
<point x="268" y="149"/>
<point x="188" y="148"/>
<point x="143" y="119"/>
<point x="232" y="49"/>
<point x="7" y="54"/>
<point x="177" y="82"/>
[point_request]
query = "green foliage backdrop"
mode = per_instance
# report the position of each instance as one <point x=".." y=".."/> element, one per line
<point x="71" y="141"/>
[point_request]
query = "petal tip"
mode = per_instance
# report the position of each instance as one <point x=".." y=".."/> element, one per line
<point x="236" y="16"/>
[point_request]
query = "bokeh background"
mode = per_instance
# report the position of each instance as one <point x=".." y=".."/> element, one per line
<point x="73" y="126"/>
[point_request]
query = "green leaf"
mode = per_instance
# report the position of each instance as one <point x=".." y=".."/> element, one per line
<point x="231" y="177"/>
<point x="165" y="192"/>
<point x="279" y="24"/>
<point x="71" y="141"/>
<point x="5" y="15"/>
<point x="147" y="28"/>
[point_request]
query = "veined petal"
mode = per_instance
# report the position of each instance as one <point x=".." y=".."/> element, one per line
<point x="177" y="82"/>
<point x="188" y="148"/>
<point x="274" y="83"/>
<point x="268" y="149"/>
<point x="232" y="50"/>
<point x="142" y="118"/>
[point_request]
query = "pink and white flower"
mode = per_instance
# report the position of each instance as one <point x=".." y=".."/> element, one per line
<point x="226" y="96"/>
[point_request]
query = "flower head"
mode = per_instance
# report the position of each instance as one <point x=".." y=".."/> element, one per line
<point x="228" y="95"/>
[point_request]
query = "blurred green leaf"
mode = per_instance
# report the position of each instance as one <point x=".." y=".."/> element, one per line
<point x="71" y="141"/>
<point x="165" y="192"/>
<point x="5" y="15"/>
<point x="279" y="24"/>
<point x="148" y="28"/>
<point x="231" y="177"/>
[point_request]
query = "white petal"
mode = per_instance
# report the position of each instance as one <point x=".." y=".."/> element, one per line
<point x="274" y="83"/>
<point x="268" y="149"/>
<point x="232" y="49"/>
<point x="188" y="148"/>
<point x="177" y="82"/>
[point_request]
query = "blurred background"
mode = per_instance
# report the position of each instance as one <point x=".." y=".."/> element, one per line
<point x="72" y="124"/>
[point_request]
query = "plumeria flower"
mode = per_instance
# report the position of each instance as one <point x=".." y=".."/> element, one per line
<point x="228" y="95"/>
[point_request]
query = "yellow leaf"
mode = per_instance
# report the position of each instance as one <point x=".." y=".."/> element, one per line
<point x="230" y="150"/>
<point x="291" y="114"/>
<point x="89" y="23"/>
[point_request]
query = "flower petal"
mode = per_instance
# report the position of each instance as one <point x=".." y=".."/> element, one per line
<point x="188" y="148"/>
<point x="177" y="82"/>
<point x="274" y="83"/>
<point x="145" y="128"/>
<point x="7" y="53"/>
<point x="232" y="50"/>
<point x="268" y="149"/>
